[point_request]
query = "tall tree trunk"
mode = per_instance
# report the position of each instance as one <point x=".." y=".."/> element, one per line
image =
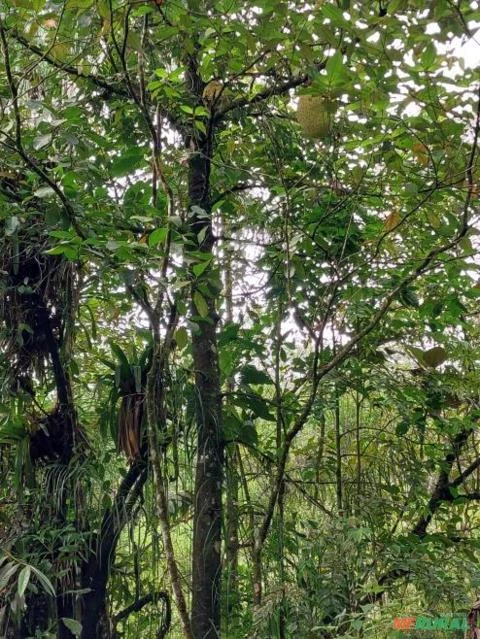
<point x="156" y="420"/>
<point x="338" y="452"/>
<point x="231" y="532"/>
<point x="232" y="515"/>
<point x="358" y="447"/>
<point x="206" y="565"/>
<point x="319" y="455"/>
<point x="280" y="434"/>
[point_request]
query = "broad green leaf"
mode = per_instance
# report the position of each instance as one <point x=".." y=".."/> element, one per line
<point x="201" y="267"/>
<point x="417" y="354"/>
<point x="44" y="581"/>
<point x="23" y="579"/>
<point x="128" y="163"/>
<point x="201" y="304"/>
<point x="435" y="356"/>
<point x="157" y="236"/>
<point x="252" y="375"/>
<point x="7" y="572"/>
<point x="336" y="72"/>
<point x="402" y="428"/>
<point x="42" y="141"/>
<point x="74" y="626"/>
<point x="181" y="337"/>
<point x="44" y="191"/>
<point x="248" y="434"/>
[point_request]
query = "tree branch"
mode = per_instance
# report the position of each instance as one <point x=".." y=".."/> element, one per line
<point x="137" y="605"/>
<point x="276" y="89"/>
<point x="98" y="81"/>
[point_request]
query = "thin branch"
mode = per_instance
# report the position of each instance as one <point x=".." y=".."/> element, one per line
<point x="466" y="473"/>
<point x="241" y="186"/>
<point x="137" y="605"/>
<point x="17" y="143"/>
<point x="276" y="89"/>
<point x="108" y="88"/>
<point x="98" y="81"/>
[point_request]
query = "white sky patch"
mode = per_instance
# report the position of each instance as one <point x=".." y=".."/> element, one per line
<point x="470" y="52"/>
<point x="466" y="53"/>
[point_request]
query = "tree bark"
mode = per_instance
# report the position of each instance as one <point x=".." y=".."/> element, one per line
<point x="206" y="564"/>
<point x="232" y="517"/>
<point x="232" y="514"/>
<point x="96" y="571"/>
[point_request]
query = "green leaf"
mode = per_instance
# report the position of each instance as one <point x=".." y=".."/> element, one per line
<point x="435" y="356"/>
<point x="429" y="55"/>
<point x="74" y="626"/>
<point x="127" y="163"/>
<point x="417" y="354"/>
<point x="251" y="375"/>
<point x="430" y="358"/>
<point x="402" y="428"/>
<point x="7" y="572"/>
<point x="248" y="434"/>
<point x="408" y="296"/>
<point x="69" y="251"/>
<point x="44" y="191"/>
<point x="23" y="579"/>
<point x="232" y="425"/>
<point x="336" y="72"/>
<point x="333" y="13"/>
<point x="200" y="125"/>
<point x="181" y="337"/>
<point x="157" y="236"/>
<point x="255" y="403"/>
<point x="201" y="111"/>
<point x="125" y="369"/>
<point x="55" y="216"/>
<point x="201" y="267"/>
<point x="200" y="304"/>
<point x="44" y="581"/>
<point x="42" y="141"/>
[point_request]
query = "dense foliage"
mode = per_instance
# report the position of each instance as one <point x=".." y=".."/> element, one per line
<point x="238" y="317"/>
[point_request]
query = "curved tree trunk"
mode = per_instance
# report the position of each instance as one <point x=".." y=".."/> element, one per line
<point x="96" y="572"/>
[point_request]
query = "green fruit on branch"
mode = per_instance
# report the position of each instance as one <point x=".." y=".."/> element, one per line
<point x="315" y="115"/>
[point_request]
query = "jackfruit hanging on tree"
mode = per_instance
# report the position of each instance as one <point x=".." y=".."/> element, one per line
<point x="315" y="115"/>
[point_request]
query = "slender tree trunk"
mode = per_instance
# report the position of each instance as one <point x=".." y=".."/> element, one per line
<point x="281" y="493"/>
<point x="358" y="408"/>
<point x="256" y="577"/>
<point x="231" y="471"/>
<point x="156" y="420"/>
<point x="319" y="456"/>
<point x="231" y="532"/>
<point x="338" y="453"/>
<point x="206" y="564"/>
